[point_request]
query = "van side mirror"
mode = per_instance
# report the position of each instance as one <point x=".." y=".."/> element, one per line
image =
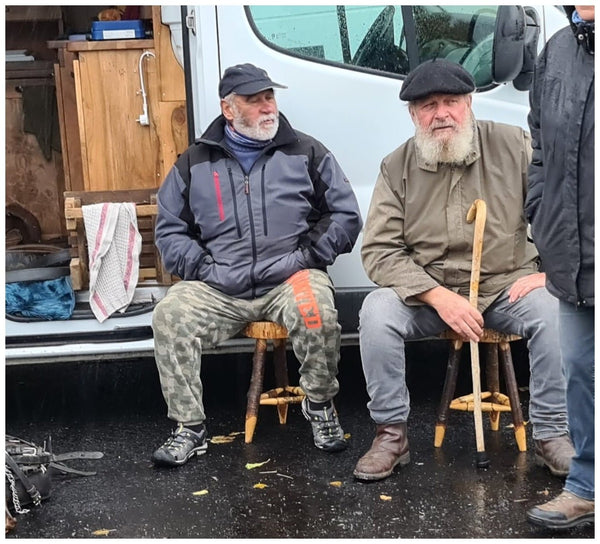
<point x="532" y="32"/>
<point x="509" y="42"/>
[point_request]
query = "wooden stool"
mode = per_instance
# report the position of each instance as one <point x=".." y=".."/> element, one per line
<point x="283" y="394"/>
<point x="494" y="343"/>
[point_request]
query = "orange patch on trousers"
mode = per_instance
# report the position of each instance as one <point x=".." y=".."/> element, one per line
<point x="305" y="299"/>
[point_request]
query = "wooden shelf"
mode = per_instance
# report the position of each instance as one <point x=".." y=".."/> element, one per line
<point x="108" y="45"/>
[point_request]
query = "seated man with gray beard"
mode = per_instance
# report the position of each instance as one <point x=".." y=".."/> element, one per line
<point x="250" y="217"/>
<point x="417" y="248"/>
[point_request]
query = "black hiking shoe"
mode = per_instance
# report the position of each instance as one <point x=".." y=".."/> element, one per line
<point x="180" y="447"/>
<point x="327" y="432"/>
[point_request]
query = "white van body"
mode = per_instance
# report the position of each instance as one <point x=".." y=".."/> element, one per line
<point x="355" y="112"/>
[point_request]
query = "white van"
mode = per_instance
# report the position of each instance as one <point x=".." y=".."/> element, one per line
<point x="343" y="66"/>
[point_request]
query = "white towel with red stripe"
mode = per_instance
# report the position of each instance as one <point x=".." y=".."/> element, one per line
<point x="114" y="247"/>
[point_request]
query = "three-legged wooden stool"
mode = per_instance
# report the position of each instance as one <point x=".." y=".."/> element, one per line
<point x="494" y="343"/>
<point x="283" y="394"/>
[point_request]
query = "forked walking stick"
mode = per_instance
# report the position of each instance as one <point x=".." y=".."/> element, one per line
<point x="477" y="213"/>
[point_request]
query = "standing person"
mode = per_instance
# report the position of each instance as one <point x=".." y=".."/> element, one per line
<point x="560" y="206"/>
<point x="249" y="217"/>
<point x="417" y="248"/>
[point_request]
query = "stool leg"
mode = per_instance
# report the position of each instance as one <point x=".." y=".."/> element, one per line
<point x="281" y="375"/>
<point x="493" y="380"/>
<point x="513" y="395"/>
<point x="254" y="391"/>
<point x="447" y="392"/>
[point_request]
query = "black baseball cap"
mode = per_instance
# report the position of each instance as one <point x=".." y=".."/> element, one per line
<point x="245" y="79"/>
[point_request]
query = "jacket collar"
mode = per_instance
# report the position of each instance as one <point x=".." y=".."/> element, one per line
<point x="215" y="133"/>
<point x="472" y="156"/>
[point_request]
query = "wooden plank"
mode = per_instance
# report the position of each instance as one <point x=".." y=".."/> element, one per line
<point x="64" y="146"/>
<point x="144" y="209"/>
<point x="109" y="45"/>
<point x="172" y="134"/>
<point x="69" y="122"/>
<point x="171" y="76"/>
<point x="81" y="124"/>
<point x="94" y="197"/>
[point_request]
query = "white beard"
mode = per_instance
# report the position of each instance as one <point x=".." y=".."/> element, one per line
<point x="453" y="149"/>
<point x="256" y="131"/>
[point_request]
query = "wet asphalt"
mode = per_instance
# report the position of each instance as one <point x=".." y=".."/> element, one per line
<point x="296" y="490"/>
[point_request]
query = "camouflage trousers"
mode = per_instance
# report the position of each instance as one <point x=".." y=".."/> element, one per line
<point x="193" y="315"/>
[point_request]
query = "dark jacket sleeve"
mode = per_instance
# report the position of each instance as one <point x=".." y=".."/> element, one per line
<point x="337" y="221"/>
<point x="176" y="235"/>
<point x="535" y="184"/>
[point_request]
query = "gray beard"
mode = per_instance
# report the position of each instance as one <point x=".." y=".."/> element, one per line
<point x="256" y="132"/>
<point x="454" y="150"/>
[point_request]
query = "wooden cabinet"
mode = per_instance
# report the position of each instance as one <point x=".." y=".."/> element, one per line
<point x="100" y="94"/>
<point x="117" y="152"/>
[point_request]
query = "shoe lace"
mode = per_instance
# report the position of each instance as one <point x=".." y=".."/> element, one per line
<point x="328" y="426"/>
<point x="560" y="499"/>
<point x="176" y="440"/>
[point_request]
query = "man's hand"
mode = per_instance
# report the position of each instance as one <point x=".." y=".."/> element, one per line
<point x="526" y="284"/>
<point x="456" y="311"/>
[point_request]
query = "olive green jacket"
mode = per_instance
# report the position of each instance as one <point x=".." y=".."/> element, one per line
<point x="416" y="236"/>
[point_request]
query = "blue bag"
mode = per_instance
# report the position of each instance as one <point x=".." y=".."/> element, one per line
<point x="48" y="299"/>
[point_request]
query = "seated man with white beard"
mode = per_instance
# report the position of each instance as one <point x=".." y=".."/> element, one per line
<point x="249" y="218"/>
<point x="417" y="248"/>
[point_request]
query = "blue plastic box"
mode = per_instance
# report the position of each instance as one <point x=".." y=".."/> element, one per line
<point x="117" y="30"/>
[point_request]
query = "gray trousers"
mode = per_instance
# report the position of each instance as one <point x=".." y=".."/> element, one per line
<point x="193" y="315"/>
<point x="386" y="322"/>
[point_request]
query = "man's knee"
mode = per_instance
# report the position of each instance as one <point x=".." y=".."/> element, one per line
<point x="376" y="309"/>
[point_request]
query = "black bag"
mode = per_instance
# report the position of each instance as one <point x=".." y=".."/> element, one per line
<point x="29" y="471"/>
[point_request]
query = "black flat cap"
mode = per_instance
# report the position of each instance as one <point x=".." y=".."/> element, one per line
<point x="437" y="76"/>
<point x="245" y="79"/>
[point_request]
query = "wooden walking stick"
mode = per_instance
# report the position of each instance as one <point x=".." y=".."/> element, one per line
<point x="477" y="213"/>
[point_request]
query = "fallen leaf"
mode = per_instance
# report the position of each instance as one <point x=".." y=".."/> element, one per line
<point x="222" y="439"/>
<point x="385" y="497"/>
<point x="260" y="485"/>
<point x="250" y="466"/>
<point x="336" y="484"/>
<point x="198" y="493"/>
<point x="103" y="532"/>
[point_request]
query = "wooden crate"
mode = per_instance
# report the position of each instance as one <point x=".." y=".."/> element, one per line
<point x="151" y="267"/>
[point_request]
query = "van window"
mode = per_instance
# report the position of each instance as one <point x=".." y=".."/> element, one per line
<point x="357" y="36"/>
<point x="388" y="39"/>
<point x="462" y="34"/>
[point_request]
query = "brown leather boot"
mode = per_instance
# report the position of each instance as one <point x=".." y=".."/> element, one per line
<point x="555" y="453"/>
<point x="390" y="448"/>
<point x="563" y="512"/>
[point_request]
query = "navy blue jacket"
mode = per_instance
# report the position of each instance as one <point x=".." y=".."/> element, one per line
<point x="244" y="234"/>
